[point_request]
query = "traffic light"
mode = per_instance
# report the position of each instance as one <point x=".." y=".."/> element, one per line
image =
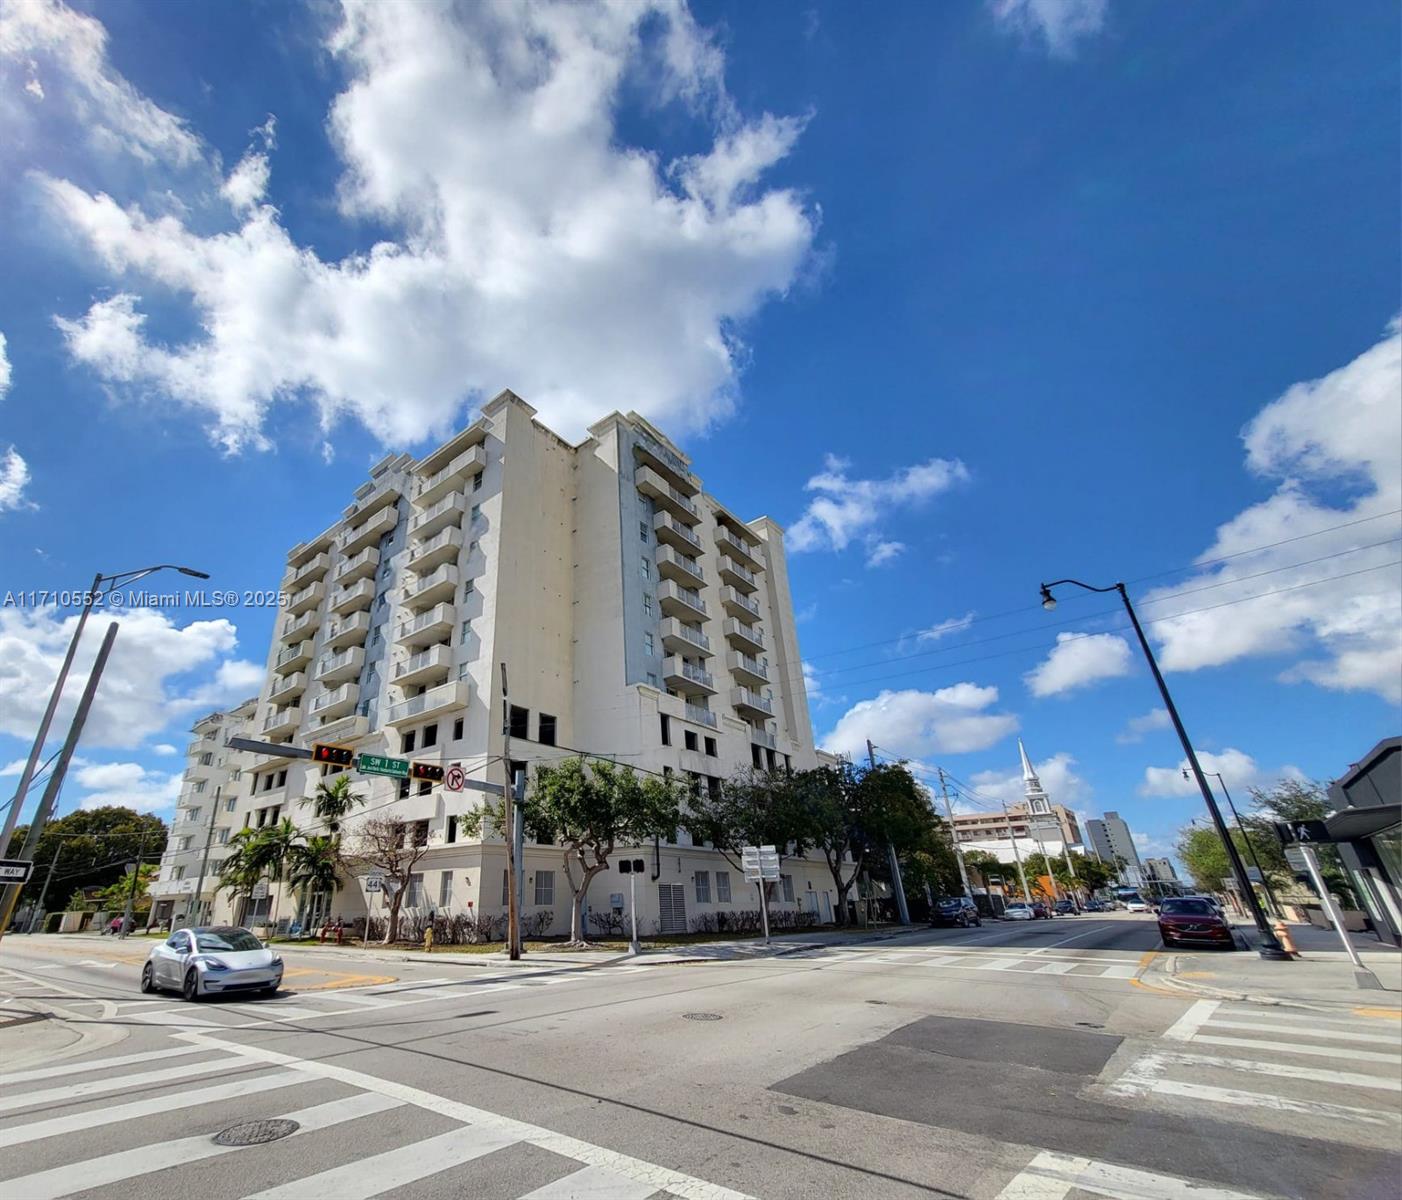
<point x="430" y="771"/>
<point x="337" y="756"/>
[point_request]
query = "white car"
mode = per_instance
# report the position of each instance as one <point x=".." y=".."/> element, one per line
<point x="1018" y="912"/>
<point x="1137" y="905"/>
<point x="208" y="961"/>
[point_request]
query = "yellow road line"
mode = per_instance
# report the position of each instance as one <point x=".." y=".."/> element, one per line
<point x="1380" y="1013"/>
<point x="346" y="981"/>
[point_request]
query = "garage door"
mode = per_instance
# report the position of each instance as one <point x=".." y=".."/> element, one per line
<point x="671" y="904"/>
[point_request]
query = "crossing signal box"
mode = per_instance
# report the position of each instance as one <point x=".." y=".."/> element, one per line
<point x="430" y="771"/>
<point x="337" y="756"/>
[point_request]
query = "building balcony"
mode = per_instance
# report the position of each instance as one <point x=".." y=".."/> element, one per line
<point x="433" y="665"/>
<point x="665" y="496"/>
<point x="348" y="631"/>
<point x="345" y="729"/>
<point x="299" y="629"/>
<point x="678" y="601"/>
<point x="745" y="636"/>
<point x="434" y="487"/>
<point x="314" y="568"/>
<point x="293" y="657"/>
<point x="282" y="720"/>
<point x="699" y="714"/>
<point x="359" y="566"/>
<point x="685" y="570"/>
<point x="369" y="531"/>
<point x="682" y="639"/>
<point x="427" y="628"/>
<point x="336" y="702"/>
<point x="762" y="737"/>
<point x="736" y="575"/>
<point x="672" y="532"/>
<point x="752" y="672"/>
<point x="287" y="686"/>
<point x="669" y="464"/>
<point x="737" y="604"/>
<point x="356" y="598"/>
<point x="738" y="548"/>
<point x="444" y="698"/>
<point x="687" y="678"/>
<point x="750" y="704"/>
<point x="371" y="497"/>
<point x="308" y="598"/>
<point x="427" y="553"/>
<point x="337" y="668"/>
<point x="441" y="514"/>
<point x="200" y="745"/>
<point x="432" y="586"/>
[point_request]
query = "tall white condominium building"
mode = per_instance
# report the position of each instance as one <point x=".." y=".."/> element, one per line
<point x="638" y="617"/>
<point x="204" y="816"/>
<point x="1161" y="870"/>
<point x="1112" y="841"/>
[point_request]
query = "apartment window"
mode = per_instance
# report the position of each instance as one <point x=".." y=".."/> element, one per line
<point x="375" y="636"/>
<point x="643" y="531"/>
<point x="649" y="647"/>
<point x="406" y="742"/>
<point x="237" y="775"/>
<point x="404" y="789"/>
<point x="463" y="672"/>
<point x="182" y="843"/>
<point x="689" y="739"/>
<point x="177" y="873"/>
<point x="788" y="765"/>
<point x="703" y="887"/>
<point x="786" y="881"/>
<point x="282" y="778"/>
<point x="418" y="831"/>
<point x="475" y="513"/>
<point x="666" y="728"/>
<point x="647" y="603"/>
<point x="713" y="787"/>
<point x="769" y="757"/>
<point x="430" y="737"/>
<point x="457" y="730"/>
<point x="425" y="787"/>
<point x="468" y="588"/>
<point x="652" y="678"/>
<point x="445" y="889"/>
<point x="466" y="632"/>
<point x="247" y="817"/>
<point x="711" y="747"/>
<point x="197" y="786"/>
<point x="194" y="814"/>
<point x="230" y="804"/>
<point x="414" y="894"/>
<point x="477" y="482"/>
<point x="722" y="887"/>
<point x="520" y="725"/>
<point x="206" y="760"/>
<point x="546" y="730"/>
<point x="755" y="758"/>
<point x="644" y="568"/>
<point x="472" y="546"/>
<point x="544" y="888"/>
<point x="221" y="837"/>
<point x="452" y="833"/>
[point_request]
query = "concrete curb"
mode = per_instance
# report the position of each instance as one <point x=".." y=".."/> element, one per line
<point x="1169" y="979"/>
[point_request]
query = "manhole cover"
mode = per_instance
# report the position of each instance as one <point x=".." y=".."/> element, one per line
<point x="255" y="1133"/>
<point x="702" y="1016"/>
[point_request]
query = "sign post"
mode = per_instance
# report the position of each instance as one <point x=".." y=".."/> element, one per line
<point x="633" y="867"/>
<point x="1312" y="864"/>
<point x="761" y="866"/>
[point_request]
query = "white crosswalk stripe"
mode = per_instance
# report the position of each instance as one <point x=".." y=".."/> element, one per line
<point x="1075" y="963"/>
<point x="1052" y="1176"/>
<point x="593" y="1183"/>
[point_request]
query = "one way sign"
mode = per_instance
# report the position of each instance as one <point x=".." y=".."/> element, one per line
<point x="15" y="870"/>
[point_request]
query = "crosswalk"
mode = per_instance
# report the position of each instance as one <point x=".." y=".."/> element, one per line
<point x="348" y="1134"/>
<point x="1253" y="1063"/>
<point x="1079" y="964"/>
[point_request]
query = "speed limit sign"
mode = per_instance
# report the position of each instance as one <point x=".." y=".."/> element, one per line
<point x="454" y="779"/>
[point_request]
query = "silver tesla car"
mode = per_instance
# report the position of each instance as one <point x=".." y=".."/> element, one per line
<point x="211" y="960"/>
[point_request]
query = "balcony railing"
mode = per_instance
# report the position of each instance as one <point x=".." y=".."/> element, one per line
<point x="672" y="564"/>
<point x="664" y="495"/>
<point x="743" y="698"/>
<point x="738" y="632"/>
<point x="294" y="629"/>
<point x="762" y="737"/>
<point x="309" y="597"/>
<point x="293" y="656"/>
<point x="369" y="530"/>
<point x="314" y="568"/>
<point x="358" y="596"/>
<point x="738" y="574"/>
<point x="445" y="696"/>
<point x="670" y="530"/>
<point x="737" y="546"/>
<point x="680" y="601"/>
<point x="702" y="716"/>
<point x="671" y="464"/>
<point x="443" y="512"/>
<point x="287" y="685"/>
<point x="439" y="584"/>
<point x="282" y="718"/>
<point x="687" y="676"/>
<point x="674" y="630"/>
<point x="743" y="664"/>
<point x="348" y="630"/>
<point x="737" y="602"/>
<point x="359" y="566"/>
<point x="429" y="489"/>
<point x="427" y="624"/>
<point x="443" y="546"/>
<point x="343" y="697"/>
<point x="436" y="660"/>
<point x="330" y="667"/>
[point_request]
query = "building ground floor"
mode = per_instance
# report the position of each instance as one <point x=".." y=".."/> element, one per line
<point x="682" y="889"/>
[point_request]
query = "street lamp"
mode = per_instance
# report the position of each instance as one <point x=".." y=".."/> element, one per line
<point x="89" y="598"/>
<point x="1270" y="945"/>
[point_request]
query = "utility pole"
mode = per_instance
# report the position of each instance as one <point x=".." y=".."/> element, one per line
<point x="513" y="912"/>
<point x="1012" y="837"/>
<point x="135" y="878"/>
<point x="897" y="885"/>
<point x="958" y="853"/>
<point x="43" y="892"/>
<point x="1245" y="837"/>
<point x="10" y="897"/>
<point x="1042" y="846"/>
<point x="204" y="861"/>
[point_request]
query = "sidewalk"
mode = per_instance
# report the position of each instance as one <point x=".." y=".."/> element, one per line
<point x="1322" y="978"/>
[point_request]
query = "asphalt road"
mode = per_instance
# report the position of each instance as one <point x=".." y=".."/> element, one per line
<point x="1017" y="1061"/>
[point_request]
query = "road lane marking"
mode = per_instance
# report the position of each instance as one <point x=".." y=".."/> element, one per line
<point x="95" y="1087"/>
<point x="1313" y="1020"/>
<point x="998" y="964"/>
<point x="1051" y="1176"/>
<point x="161" y="1156"/>
<point x="1055" y="968"/>
<point x="1280" y="1070"/>
<point x="1266" y="1100"/>
<point x="381" y="1173"/>
<point x="1119" y="971"/>
<point x="82" y="1121"/>
<point x="94" y="1064"/>
<point x="663" y="1178"/>
<point x="1306" y="1048"/>
<point x="1338" y="1035"/>
<point x="1184" y="1029"/>
<point x="592" y="1183"/>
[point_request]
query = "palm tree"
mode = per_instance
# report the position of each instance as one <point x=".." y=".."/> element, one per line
<point x="240" y="872"/>
<point x="333" y="801"/>
<point x="315" y="866"/>
<point x="274" y="847"/>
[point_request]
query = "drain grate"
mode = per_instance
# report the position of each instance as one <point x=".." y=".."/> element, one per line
<point x="701" y="1016"/>
<point x="255" y="1133"/>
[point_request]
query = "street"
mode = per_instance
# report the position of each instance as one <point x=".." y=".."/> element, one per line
<point x="1023" y="1061"/>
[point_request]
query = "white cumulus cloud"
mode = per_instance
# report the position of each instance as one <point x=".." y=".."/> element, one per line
<point x="526" y="242"/>
<point x="1136" y="727"/>
<point x="127" y="785"/>
<point x="5" y="373"/>
<point x="879" y="552"/>
<point x="1057" y="773"/>
<point x="1237" y="767"/>
<point x="14" y="478"/>
<point x="1057" y="25"/>
<point x="914" y="724"/>
<point x="942" y="629"/>
<point x="1079" y="660"/>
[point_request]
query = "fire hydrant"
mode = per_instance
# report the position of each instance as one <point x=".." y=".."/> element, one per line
<point x="1286" y="943"/>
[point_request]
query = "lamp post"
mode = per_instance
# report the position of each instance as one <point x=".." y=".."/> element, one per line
<point x="1270" y="945"/>
<point x="1245" y="837"/>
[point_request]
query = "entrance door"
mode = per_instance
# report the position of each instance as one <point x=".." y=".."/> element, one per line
<point x="671" y="905"/>
<point x="827" y="908"/>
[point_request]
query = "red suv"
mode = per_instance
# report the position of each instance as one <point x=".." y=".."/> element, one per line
<point x="1185" y="920"/>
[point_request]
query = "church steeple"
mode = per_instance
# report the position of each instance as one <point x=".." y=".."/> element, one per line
<point x="1032" y="792"/>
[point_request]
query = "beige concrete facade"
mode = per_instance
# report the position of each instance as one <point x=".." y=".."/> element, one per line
<point x="639" y="619"/>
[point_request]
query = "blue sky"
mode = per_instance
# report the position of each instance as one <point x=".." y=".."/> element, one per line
<point x="967" y="297"/>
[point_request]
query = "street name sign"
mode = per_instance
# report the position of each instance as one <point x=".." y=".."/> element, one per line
<point x="760" y="862"/>
<point x="15" y="870"/>
<point x="374" y="764"/>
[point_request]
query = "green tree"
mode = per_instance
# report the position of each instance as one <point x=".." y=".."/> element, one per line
<point x="92" y="847"/>
<point x="333" y="801"/>
<point x="388" y="846"/>
<point x="754" y="808"/>
<point x="315" y="867"/>
<point x="591" y="809"/>
<point x="983" y="864"/>
<point x="113" y="897"/>
<point x="1292" y="800"/>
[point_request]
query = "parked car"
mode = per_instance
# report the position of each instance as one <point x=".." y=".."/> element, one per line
<point x="955" y="910"/>
<point x="1041" y="911"/>
<point x="1137" y="905"/>
<point x="1018" y="912"/>
<point x="1066" y="908"/>
<point x="1094" y="906"/>
<point x="211" y="960"/>
<point x="1186" y="920"/>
